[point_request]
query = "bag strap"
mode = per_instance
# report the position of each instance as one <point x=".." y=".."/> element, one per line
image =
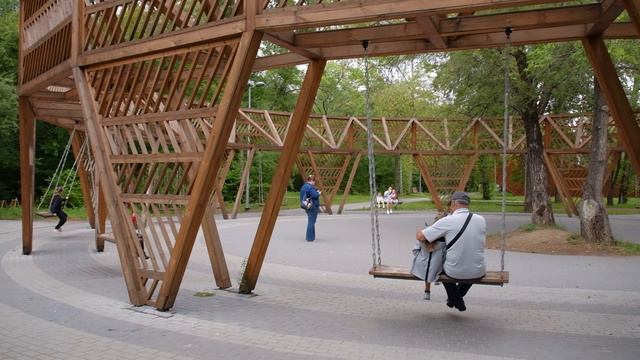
<point x="464" y="227"/>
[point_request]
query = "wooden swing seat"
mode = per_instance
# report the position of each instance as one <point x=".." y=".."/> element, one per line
<point x="402" y="273"/>
<point x="45" y="214"/>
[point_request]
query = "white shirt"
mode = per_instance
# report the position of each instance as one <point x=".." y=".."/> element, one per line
<point x="465" y="259"/>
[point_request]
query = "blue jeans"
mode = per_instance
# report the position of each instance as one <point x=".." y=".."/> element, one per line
<point x="312" y="215"/>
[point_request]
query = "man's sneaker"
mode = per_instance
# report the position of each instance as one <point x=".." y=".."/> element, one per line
<point x="450" y="304"/>
<point x="57" y="230"/>
<point x="427" y="295"/>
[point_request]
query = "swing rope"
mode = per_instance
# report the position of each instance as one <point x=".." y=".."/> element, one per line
<point x="57" y="174"/>
<point x="375" y="226"/>
<point x="505" y="139"/>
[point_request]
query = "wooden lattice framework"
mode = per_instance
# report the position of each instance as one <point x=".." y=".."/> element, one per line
<point x="156" y="87"/>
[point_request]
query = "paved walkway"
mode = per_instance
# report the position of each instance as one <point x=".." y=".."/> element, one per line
<point x="314" y="300"/>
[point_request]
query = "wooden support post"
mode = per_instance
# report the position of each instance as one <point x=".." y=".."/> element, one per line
<point x="214" y="249"/>
<point x="426" y="176"/>
<point x="243" y="181"/>
<point x="281" y="175"/>
<point x="347" y="188"/>
<point x="207" y="172"/>
<point x="628" y="129"/>
<point x="109" y="185"/>
<point x="85" y="185"/>
<point x="27" y="171"/>
<point x="101" y="224"/>
<point x="633" y="9"/>
<point x="561" y="186"/>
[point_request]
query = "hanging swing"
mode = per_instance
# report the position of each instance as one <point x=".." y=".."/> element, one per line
<point x="379" y="270"/>
<point x="58" y="174"/>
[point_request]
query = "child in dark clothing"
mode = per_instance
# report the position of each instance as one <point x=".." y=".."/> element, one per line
<point x="57" y="203"/>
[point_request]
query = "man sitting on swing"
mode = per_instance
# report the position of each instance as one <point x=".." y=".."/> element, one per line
<point x="464" y="235"/>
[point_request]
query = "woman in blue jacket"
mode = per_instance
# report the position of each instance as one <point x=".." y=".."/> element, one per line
<point x="309" y="191"/>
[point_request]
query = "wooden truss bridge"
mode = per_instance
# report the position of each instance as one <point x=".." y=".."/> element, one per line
<point x="156" y="85"/>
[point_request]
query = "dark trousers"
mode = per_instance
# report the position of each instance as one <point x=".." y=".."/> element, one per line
<point x="312" y="215"/>
<point x="63" y="218"/>
<point x="456" y="291"/>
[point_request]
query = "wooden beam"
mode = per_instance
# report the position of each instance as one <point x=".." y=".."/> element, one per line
<point x="282" y="172"/>
<point x="633" y="9"/>
<point x="278" y="40"/>
<point x="101" y="225"/>
<point x="109" y="186"/>
<point x="628" y="129"/>
<point x="278" y="61"/>
<point x="216" y="31"/>
<point x="51" y="77"/>
<point x="429" y="24"/>
<point x="207" y="173"/>
<point x="215" y="251"/>
<point x="610" y="10"/>
<point x="27" y="171"/>
<point x="85" y="184"/>
<point x="360" y="11"/>
<point x="454" y="26"/>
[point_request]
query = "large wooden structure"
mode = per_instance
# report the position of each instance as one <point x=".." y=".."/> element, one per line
<point x="156" y="86"/>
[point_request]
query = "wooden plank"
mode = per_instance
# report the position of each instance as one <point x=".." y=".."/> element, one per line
<point x="402" y="273"/>
<point x="628" y="129"/>
<point x="208" y="169"/>
<point x="281" y="174"/>
<point x="27" y="171"/>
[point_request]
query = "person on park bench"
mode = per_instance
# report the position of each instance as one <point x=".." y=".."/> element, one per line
<point x="464" y="235"/>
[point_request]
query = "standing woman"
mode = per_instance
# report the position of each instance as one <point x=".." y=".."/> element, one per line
<point x="56" y="208"/>
<point x="308" y="190"/>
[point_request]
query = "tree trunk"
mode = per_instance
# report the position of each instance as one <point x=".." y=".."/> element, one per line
<point x="542" y="212"/>
<point x="594" y="221"/>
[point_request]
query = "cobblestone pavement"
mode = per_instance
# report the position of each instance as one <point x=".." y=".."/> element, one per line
<point x="313" y="301"/>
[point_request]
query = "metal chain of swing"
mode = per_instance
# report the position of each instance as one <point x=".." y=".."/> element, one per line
<point x="375" y="227"/>
<point x="57" y="174"/>
<point x="505" y="140"/>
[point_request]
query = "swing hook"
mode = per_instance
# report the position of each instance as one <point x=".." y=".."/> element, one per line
<point x="507" y="31"/>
